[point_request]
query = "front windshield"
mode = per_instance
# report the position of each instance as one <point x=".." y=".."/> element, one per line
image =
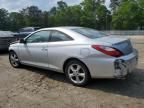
<point x="90" y="33"/>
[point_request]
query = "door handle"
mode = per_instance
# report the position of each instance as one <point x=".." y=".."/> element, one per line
<point x="44" y="49"/>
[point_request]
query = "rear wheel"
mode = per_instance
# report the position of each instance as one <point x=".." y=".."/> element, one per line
<point x="14" y="60"/>
<point x="77" y="73"/>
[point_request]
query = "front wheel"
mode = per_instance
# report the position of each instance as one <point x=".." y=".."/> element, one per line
<point x="14" y="60"/>
<point x="77" y="73"/>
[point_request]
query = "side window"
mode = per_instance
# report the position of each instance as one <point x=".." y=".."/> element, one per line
<point x="59" y="36"/>
<point x="39" y="37"/>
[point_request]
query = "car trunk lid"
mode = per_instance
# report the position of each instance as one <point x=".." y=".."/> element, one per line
<point x="122" y="44"/>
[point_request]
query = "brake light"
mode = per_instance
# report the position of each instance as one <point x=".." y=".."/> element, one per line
<point x="108" y="50"/>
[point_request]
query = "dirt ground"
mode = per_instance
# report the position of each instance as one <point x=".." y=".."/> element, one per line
<point x="36" y="88"/>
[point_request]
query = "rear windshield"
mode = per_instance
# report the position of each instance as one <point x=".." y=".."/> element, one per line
<point x="37" y="28"/>
<point x="90" y="33"/>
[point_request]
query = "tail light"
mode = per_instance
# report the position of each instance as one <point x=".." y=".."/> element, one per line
<point x="108" y="50"/>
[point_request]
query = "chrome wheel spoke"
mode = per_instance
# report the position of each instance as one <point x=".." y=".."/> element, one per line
<point x="82" y="75"/>
<point x="77" y="79"/>
<point x="78" y="68"/>
<point x="16" y="60"/>
<point x="72" y="68"/>
<point x="12" y="58"/>
<point x="71" y="75"/>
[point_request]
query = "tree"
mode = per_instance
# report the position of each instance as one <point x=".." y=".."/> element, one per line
<point x="114" y="4"/>
<point x="128" y="16"/>
<point x="75" y="15"/>
<point x="141" y="3"/>
<point x="61" y="5"/>
<point x="95" y="14"/>
<point x="4" y="19"/>
<point x="140" y="18"/>
<point x="64" y="15"/>
<point x="32" y="16"/>
<point x="16" y="21"/>
<point x="45" y="19"/>
<point x="88" y="18"/>
<point x="124" y="14"/>
<point x="53" y="11"/>
<point x="70" y="16"/>
<point x="103" y="18"/>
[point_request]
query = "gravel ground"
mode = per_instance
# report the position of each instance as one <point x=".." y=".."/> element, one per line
<point x="36" y="88"/>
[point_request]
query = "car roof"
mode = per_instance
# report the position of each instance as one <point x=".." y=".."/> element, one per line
<point x="62" y="27"/>
<point x="30" y="27"/>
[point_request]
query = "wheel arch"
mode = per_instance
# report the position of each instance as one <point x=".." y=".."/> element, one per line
<point x="74" y="58"/>
<point x="11" y="50"/>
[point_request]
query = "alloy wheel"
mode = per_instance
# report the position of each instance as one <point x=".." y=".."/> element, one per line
<point x="76" y="73"/>
<point x="14" y="59"/>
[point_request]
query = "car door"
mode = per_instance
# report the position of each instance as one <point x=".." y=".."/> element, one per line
<point x="35" y="50"/>
<point x="57" y="46"/>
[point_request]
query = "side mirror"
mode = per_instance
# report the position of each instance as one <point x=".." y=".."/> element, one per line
<point x="22" y="41"/>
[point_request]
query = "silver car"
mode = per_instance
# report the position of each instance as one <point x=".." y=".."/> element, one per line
<point x="81" y="53"/>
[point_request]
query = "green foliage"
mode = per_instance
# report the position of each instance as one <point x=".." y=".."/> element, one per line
<point x="124" y="14"/>
<point x="3" y="19"/>
<point x="114" y="4"/>
<point x="128" y="16"/>
<point x="32" y="16"/>
<point x="141" y="3"/>
<point x="16" y="21"/>
<point x="95" y="14"/>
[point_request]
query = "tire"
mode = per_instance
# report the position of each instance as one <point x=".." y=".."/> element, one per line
<point x="77" y="73"/>
<point x="14" y="60"/>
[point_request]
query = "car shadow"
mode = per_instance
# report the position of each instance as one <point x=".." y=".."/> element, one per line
<point x="3" y="52"/>
<point x="133" y="86"/>
<point x="47" y="73"/>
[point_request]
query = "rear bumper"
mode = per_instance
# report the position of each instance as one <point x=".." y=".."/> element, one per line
<point x="112" y="67"/>
<point x="125" y="65"/>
